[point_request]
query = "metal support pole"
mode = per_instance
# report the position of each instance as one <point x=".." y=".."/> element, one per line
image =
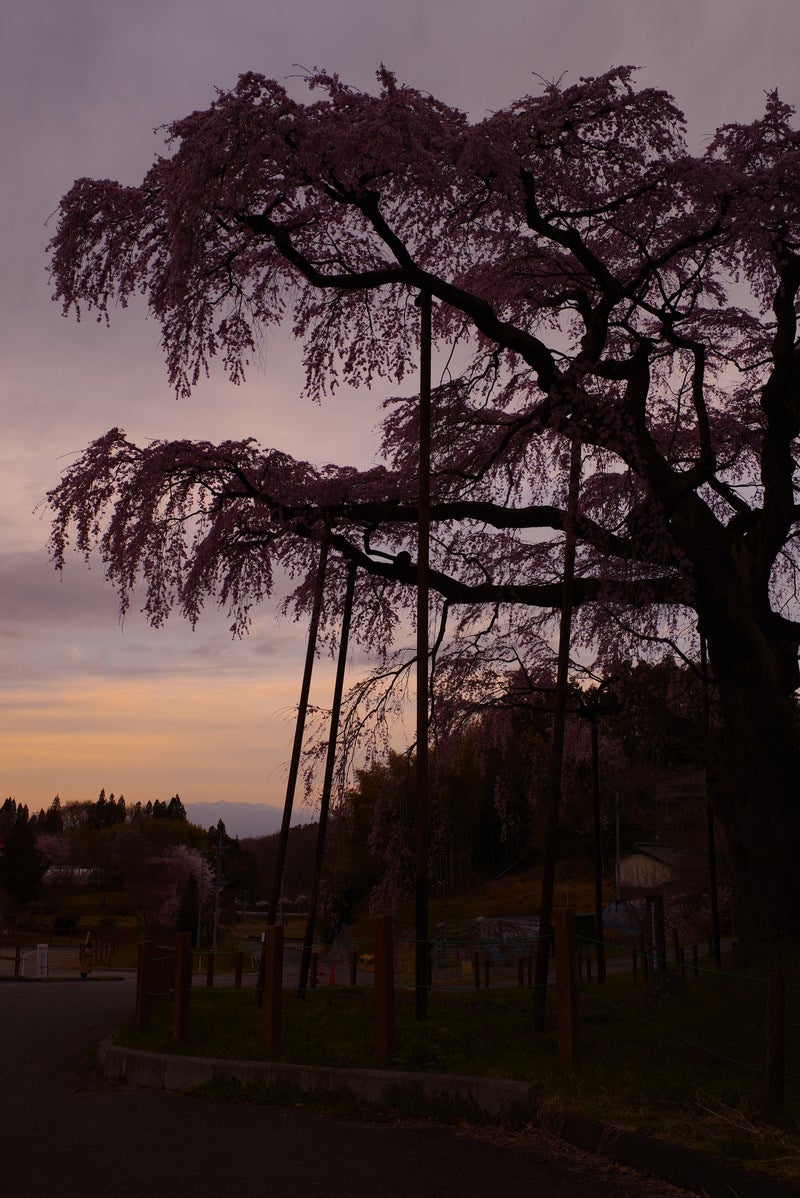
<point x="421" y="971"/>
<point x="327" y="785"/>
<point x="557" y="753"/>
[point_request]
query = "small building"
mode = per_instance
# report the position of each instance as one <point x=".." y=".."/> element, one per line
<point x="661" y="869"/>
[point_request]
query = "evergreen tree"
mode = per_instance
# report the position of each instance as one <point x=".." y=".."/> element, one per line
<point x="22" y="866"/>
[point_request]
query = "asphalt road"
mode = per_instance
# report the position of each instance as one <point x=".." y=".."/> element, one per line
<point x="64" y="1132"/>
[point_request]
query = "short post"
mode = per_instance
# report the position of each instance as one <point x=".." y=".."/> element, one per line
<point x="182" y="987"/>
<point x="312" y="970"/>
<point x="384" y="988"/>
<point x="273" y="986"/>
<point x="776" y="1041"/>
<point x="566" y="986"/>
<point x="143" y="984"/>
<point x="354" y="968"/>
<point x="210" y="968"/>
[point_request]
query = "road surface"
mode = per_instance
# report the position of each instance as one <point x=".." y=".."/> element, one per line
<point x="65" y="1132"/>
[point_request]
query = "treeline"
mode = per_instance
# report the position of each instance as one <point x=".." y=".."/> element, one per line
<point x="491" y="778"/>
<point x="149" y="850"/>
<point x="104" y="812"/>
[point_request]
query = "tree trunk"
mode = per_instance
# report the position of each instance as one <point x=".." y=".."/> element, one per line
<point x="754" y="775"/>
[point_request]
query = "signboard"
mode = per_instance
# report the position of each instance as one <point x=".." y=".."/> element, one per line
<point x="41" y="960"/>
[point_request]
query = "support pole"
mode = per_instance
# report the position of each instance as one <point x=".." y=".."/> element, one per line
<point x="384" y="988"/>
<point x="566" y="986"/>
<point x="421" y="970"/>
<point x="557" y="752"/>
<point x="716" y="939"/>
<point x="294" y="766"/>
<point x="327" y="785"/>
<point x="273" y="987"/>
<point x="598" y="848"/>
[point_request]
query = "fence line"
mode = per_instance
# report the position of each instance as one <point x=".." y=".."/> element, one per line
<point x="166" y="970"/>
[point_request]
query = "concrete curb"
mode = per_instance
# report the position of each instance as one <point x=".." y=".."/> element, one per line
<point x="680" y="1166"/>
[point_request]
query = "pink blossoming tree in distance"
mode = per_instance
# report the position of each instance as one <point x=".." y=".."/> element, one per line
<point x="591" y="280"/>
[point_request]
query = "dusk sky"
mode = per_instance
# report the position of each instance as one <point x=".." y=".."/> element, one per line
<point x="87" y="703"/>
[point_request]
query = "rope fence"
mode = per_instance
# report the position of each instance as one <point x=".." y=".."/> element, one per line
<point x="386" y="962"/>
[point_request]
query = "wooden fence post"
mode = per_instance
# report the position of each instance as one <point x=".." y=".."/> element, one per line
<point x="776" y="1041"/>
<point x="566" y="985"/>
<point x="143" y="983"/>
<point x="384" y="988"/>
<point x="182" y="986"/>
<point x="273" y="986"/>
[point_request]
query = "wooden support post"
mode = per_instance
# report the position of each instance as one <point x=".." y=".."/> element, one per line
<point x="182" y="986"/>
<point x="566" y="986"/>
<point x="273" y="986"/>
<point x="210" y="968"/>
<point x="384" y="988"/>
<point x="644" y="955"/>
<point x="143" y="984"/>
<point x="776" y="1042"/>
<point x="312" y="977"/>
<point x="354" y="968"/>
<point x="238" y="969"/>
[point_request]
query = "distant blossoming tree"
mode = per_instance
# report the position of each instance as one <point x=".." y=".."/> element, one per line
<point x="592" y="281"/>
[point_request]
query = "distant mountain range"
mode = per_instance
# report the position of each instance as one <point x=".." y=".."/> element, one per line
<point x="240" y="819"/>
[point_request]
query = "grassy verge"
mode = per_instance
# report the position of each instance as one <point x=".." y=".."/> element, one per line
<point x="690" y="1068"/>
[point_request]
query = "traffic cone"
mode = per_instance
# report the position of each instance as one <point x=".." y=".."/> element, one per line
<point x="332" y="978"/>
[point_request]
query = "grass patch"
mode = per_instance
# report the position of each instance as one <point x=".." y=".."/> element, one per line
<point x="690" y="1068"/>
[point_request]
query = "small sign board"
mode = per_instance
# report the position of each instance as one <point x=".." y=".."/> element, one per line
<point x="41" y="960"/>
